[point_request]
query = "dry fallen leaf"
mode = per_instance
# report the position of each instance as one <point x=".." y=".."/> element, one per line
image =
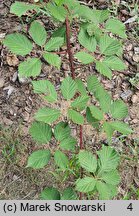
<point x="12" y="60"/>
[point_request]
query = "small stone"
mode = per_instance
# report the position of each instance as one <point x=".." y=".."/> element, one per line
<point x="136" y="50"/>
<point x="129" y="47"/>
<point x="126" y="95"/>
<point x="135" y="99"/>
<point x="14" y="78"/>
<point x="1" y="82"/>
<point x="23" y="80"/>
<point x="136" y="58"/>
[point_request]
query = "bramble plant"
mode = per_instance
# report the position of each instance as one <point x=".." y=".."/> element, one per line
<point x="93" y="174"/>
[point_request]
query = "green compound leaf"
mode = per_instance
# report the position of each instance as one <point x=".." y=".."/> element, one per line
<point x="109" y="46"/>
<point x="84" y="57"/>
<point x="95" y="16"/>
<point x="104" y="190"/>
<point x="38" y="33"/>
<point x="62" y="131"/>
<point x="92" y="83"/>
<point x="109" y="159"/>
<point x="41" y="132"/>
<point x="69" y="194"/>
<point x="91" y="119"/>
<point x="114" y="63"/>
<point x="39" y="159"/>
<point x="54" y="43"/>
<point x="52" y="59"/>
<point x="68" y="88"/>
<point x="104" y="99"/>
<point x="96" y="112"/>
<point x="117" y="27"/>
<point x="86" y="41"/>
<point x="20" y="8"/>
<point x="112" y="177"/>
<point x="31" y="67"/>
<point x="60" y="32"/>
<point x="99" y="16"/>
<point x="68" y="144"/>
<point x="58" y="12"/>
<point x="87" y="161"/>
<point x="76" y="117"/>
<point x="18" y="44"/>
<point x="59" y="2"/>
<point x="121" y="127"/>
<point x="80" y="102"/>
<point x="103" y="69"/>
<point x="85" y="185"/>
<point x="119" y="109"/>
<point x="108" y="130"/>
<point x="50" y="194"/>
<point x="61" y="160"/>
<point x="47" y="88"/>
<point x="81" y="87"/>
<point x="47" y="115"/>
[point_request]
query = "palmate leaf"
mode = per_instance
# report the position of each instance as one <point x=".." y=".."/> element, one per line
<point x="68" y="88"/>
<point x="58" y="12"/>
<point x="92" y="83"/>
<point x="18" y="44"/>
<point x="112" y="178"/>
<point x="69" y="194"/>
<point x="47" y="115"/>
<point x="84" y="57"/>
<point x="38" y="33"/>
<point x="96" y="112"/>
<point x="52" y="59"/>
<point x="109" y="159"/>
<point x="39" y="159"/>
<point x="20" y="8"/>
<point x="62" y="131"/>
<point x="31" y="67"/>
<point x="40" y="132"/>
<point x="50" y="193"/>
<point x="85" y="40"/>
<point x="117" y="27"/>
<point x="114" y="63"/>
<point x="87" y="161"/>
<point x="68" y="143"/>
<point x="85" y="185"/>
<point x="103" y="69"/>
<point x="54" y="43"/>
<point x="121" y="127"/>
<point x="119" y="109"/>
<point x="80" y="102"/>
<point x="47" y="88"/>
<point x="75" y="116"/>
<point x="61" y="160"/>
<point x="81" y="87"/>
<point x="109" y="46"/>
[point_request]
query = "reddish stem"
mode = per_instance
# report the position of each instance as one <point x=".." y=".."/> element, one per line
<point x="69" y="48"/>
<point x="72" y="68"/>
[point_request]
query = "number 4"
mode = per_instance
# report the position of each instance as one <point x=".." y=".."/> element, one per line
<point x="130" y="207"/>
